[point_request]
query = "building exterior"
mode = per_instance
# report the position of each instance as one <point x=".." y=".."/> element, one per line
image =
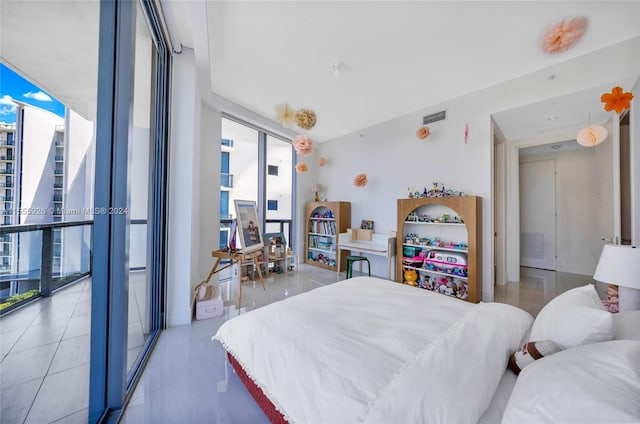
<point x="36" y="178"/>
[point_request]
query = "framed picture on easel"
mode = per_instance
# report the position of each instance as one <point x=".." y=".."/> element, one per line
<point x="248" y="225"/>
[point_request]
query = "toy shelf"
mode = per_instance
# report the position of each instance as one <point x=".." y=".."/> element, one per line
<point x="421" y="269"/>
<point x="469" y="210"/>
<point x="435" y="223"/>
<point x="435" y="248"/>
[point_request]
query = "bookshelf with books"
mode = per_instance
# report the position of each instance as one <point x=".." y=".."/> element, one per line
<point x="325" y="220"/>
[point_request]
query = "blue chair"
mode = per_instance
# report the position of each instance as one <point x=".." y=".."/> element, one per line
<point x="351" y="259"/>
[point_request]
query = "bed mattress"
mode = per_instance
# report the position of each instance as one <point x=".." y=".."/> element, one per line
<point x="372" y="350"/>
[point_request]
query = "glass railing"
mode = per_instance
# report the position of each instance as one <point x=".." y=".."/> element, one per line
<point x="226" y="180"/>
<point x="32" y="271"/>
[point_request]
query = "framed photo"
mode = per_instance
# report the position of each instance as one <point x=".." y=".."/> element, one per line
<point x="366" y="225"/>
<point x="248" y="225"/>
<point x="276" y="245"/>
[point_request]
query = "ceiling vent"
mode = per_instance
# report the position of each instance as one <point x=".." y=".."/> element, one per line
<point x="434" y="117"/>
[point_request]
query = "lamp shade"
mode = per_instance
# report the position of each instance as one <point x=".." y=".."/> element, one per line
<point x="619" y="265"/>
<point x="316" y="187"/>
<point x="592" y="135"/>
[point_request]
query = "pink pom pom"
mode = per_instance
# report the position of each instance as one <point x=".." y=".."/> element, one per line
<point x="303" y="145"/>
<point x="360" y="180"/>
<point x="564" y="34"/>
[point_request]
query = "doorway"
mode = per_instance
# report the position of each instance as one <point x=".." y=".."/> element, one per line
<point x="538" y="213"/>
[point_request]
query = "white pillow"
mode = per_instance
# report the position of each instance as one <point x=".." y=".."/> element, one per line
<point x="596" y="383"/>
<point x="574" y="318"/>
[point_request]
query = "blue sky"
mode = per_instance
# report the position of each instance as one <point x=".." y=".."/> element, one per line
<point x="13" y="86"/>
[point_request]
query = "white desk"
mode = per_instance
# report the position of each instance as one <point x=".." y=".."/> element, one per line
<point x="380" y="245"/>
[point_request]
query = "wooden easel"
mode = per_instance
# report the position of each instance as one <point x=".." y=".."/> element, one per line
<point x="236" y="257"/>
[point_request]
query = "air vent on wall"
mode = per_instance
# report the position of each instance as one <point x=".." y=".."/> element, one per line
<point x="434" y="117"/>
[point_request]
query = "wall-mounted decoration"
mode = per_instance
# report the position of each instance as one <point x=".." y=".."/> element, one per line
<point x="248" y="225"/>
<point x="303" y="145"/>
<point x="322" y="161"/>
<point x="564" y="34"/>
<point x="302" y="168"/>
<point x="305" y="119"/>
<point x="284" y="114"/>
<point x="423" y="132"/>
<point x="360" y="180"/>
<point x="617" y="100"/>
<point x="466" y="133"/>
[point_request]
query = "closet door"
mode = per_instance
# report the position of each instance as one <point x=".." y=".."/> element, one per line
<point x="538" y="214"/>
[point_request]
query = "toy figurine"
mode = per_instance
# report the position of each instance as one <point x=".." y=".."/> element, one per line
<point x="461" y="290"/>
<point x="410" y="277"/>
<point x="612" y="299"/>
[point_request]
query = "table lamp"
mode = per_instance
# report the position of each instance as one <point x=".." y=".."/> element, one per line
<point x="315" y="188"/>
<point x="620" y="265"/>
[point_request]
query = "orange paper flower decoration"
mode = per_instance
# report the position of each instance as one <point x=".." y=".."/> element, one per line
<point x="616" y="100"/>
<point x="302" y="168"/>
<point x="322" y="161"/>
<point x="564" y="34"/>
<point x="303" y="145"/>
<point x="423" y="133"/>
<point x="360" y="180"/>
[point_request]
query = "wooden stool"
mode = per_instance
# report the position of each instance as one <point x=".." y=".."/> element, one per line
<point x="350" y="261"/>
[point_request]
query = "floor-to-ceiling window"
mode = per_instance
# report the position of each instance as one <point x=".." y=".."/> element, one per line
<point x="258" y="166"/>
<point x="91" y="180"/>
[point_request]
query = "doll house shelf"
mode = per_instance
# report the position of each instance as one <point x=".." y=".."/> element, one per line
<point x="451" y="227"/>
<point x="324" y="221"/>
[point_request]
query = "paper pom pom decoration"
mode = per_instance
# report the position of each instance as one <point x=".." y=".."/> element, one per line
<point x="302" y="168"/>
<point x="360" y="180"/>
<point x="616" y="100"/>
<point x="564" y="34"/>
<point x="322" y="161"/>
<point x="592" y="135"/>
<point x="423" y="132"/>
<point x="284" y="114"/>
<point x="305" y="119"/>
<point x="303" y="145"/>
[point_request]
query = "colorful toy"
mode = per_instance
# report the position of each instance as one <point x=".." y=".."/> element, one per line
<point x="410" y="277"/>
<point x="612" y="299"/>
<point x="462" y="291"/>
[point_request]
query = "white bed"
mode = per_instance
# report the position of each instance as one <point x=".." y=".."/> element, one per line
<point x="372" y="350"/>
<point x="375" y="351"/>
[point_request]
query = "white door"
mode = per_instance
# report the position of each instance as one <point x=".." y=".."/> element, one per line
<point x="538" y="214"/>
<point x="607" y="186"/>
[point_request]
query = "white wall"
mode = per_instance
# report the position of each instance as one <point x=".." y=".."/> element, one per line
<point x="395" y="159"/>
<point x="184" y="168"/>
<point x="634" y="122"/>
<point x="79" y="172"/>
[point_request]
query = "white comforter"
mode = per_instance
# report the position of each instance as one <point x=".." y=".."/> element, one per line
<point x="371" y="350"/>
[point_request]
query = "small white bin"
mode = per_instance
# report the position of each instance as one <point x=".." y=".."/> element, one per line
<point x="211" y="308"/>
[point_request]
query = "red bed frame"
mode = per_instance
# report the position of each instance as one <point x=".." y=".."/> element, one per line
<point x="258" y="395"/>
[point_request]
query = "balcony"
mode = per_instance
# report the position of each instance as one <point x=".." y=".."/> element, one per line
<point x="46" y="339"/>
<point x="58" y="171"/>
<point x="226" y="180"/>
<point x="226" y="142"/>
<point x="6" y="143"/>
<point x="57" y="198"/>
<point x="59" y="158"/>
<point x="8" y="185"/>
<point x="57" y="185"/>
<point x="6" y="171"/>
<point x="59" y="143"/>
<point x="59" y="128"/>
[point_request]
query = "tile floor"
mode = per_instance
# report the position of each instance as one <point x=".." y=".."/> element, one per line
<point x="44" y="354"/>
<point x="188" y="380"/>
